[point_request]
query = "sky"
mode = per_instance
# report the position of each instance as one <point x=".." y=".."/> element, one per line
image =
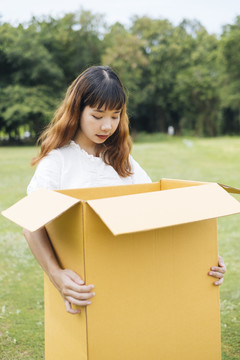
<point x="213" y="14"/>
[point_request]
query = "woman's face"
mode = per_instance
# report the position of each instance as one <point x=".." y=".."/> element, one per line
<point x="96" y="125"/>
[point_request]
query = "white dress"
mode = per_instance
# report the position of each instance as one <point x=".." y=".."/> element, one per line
<point x="71" y="167"/>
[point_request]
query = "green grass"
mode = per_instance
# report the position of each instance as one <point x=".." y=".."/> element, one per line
<point x="21" y="298"/>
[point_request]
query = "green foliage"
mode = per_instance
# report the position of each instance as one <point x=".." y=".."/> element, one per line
<point x="37" y="64"/>
<point x="73" y="41"/>
<point x="123" y="52"/>
<point x="161" y="51"/>
<point x="229" y="58"/>
<point x="196" y="89"/>
<point x="30" y="107"/>
<point x="174" y="75"/>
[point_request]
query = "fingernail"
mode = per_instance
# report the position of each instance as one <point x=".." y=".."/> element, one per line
<point x="93" y="293"/>
<point x="210" y="273"/>
<point x="88" y="302"/>
<point x="92" y="286"/>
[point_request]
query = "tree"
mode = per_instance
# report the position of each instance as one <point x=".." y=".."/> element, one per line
<point x="164" y="52"/>
<point x="174" y="75"/>
<point x="29" y="83"/>
<point x="30" y="62"/>
<point x="38" y="61"/>
<point x="122" y="51"/>
<point x="196" y="91"/>
<point x="27" y="107"/>
<point x="73" y="40"/>
<point x="229" y="60"/>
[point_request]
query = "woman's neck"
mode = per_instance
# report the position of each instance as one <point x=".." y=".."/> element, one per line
<point x="85" y="144"/>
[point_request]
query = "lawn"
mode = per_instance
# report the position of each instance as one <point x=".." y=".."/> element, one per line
<point x="21" y="298"/>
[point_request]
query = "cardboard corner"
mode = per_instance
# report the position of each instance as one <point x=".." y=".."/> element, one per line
<point x="37" y="209"/>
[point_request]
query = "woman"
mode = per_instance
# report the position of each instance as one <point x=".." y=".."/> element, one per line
<point x="87" y="144"/>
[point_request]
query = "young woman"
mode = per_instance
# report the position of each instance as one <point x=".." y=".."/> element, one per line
<point x="87" y="144"/>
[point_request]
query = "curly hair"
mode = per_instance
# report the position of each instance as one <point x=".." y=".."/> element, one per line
<point x="97" y="86"/>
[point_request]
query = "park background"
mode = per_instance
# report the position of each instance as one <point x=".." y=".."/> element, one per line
<point x="175" y="75"/>
<point x="178" y="75"/>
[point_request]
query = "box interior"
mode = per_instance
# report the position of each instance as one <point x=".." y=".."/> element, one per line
<point x="114" y="191"/>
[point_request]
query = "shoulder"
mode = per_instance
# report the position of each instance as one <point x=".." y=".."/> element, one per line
<point x="139" y="174"/>
<point x="48" y="172"/>
<point x="51" y="162"/>
<point x="56" y="157"/>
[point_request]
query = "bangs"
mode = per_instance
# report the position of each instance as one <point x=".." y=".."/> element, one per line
<point x="108" y="95"/>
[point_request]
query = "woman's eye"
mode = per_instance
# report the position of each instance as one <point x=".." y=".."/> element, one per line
<point x="98" y="118"/>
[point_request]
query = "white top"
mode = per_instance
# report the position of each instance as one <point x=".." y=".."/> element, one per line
<point x="71" y="167"/>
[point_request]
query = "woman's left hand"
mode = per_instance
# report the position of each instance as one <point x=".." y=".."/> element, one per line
<point x="218" y="271"/>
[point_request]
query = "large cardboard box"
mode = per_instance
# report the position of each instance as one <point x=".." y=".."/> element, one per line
<point x="147" y="249"/>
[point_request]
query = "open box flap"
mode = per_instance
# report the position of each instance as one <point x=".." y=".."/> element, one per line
<point x="141" y="212"/>
<point x="167" y="184"/>
<point x="39" y="208"/>
<point x="230" y="189"/>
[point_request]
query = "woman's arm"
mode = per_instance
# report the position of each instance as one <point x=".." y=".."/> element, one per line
<point x="69" y="284"/>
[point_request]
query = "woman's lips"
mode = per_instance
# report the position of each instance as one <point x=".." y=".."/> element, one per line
<point x="103" y="137"/>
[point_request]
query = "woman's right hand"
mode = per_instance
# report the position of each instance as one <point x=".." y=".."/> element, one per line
<point x="72" y="289"/>
<point x="69" y="284"/>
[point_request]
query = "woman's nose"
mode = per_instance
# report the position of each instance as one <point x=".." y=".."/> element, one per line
<point x="106" y="125"/>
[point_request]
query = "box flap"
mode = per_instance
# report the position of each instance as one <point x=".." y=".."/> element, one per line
<point x="39" y="208"/>
<point x="141" y="212"/>
<point x="230" y="189"/>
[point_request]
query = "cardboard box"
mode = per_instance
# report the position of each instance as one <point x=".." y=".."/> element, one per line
<point x="148" y="252"/>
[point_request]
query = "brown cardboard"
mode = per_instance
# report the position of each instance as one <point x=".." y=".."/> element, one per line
<point x="154" y="299"/>
<point x="164" y="208"/>
<point x="37" y="209"/>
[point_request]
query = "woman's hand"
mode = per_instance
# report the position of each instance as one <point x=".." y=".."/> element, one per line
<point x="218" y="271"/>
<point x="72" y="289"/>
<point x="69" y="284"/>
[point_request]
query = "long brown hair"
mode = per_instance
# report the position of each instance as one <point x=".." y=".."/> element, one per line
<point x="97" y="86"/>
